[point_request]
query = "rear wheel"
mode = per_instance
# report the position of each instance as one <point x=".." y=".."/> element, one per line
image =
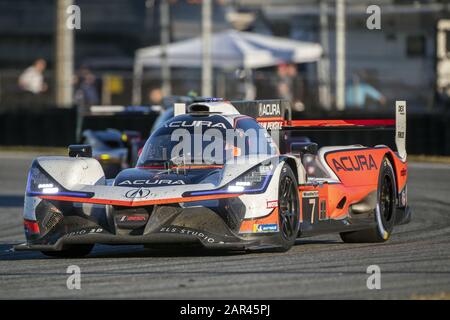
<point x="75" y="251"/>
<point x="288" y="208"/>
<point x="384" y="211"/>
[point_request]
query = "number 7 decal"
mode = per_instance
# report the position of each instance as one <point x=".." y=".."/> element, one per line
<point x="310" y="206"/>
<point x="312" y="201"/>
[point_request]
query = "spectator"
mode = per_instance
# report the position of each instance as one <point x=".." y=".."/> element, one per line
<point x="32" y="79"/>
<point x="287" y="76"/>
<point x="364" y="96"/>
<point x="284" y="87"/>
<point x="155" y="96"/>
<point x="290" y="83"/>
<point x="87" y="95"/>
<point x="361" y="95"/>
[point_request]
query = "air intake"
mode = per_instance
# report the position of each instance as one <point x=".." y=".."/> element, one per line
<point x="341" y="203"/>
<point x="202" y="108"/>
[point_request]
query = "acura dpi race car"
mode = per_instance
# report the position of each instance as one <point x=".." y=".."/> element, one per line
<point x="214" y="177"/>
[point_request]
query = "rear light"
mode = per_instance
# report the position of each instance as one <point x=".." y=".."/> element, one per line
<point x="31" y="227"/>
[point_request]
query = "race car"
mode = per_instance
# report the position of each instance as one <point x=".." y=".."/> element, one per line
<point x="115" y="150"/>
<point x="221" y="175"/>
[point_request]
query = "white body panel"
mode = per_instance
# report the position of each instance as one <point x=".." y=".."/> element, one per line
<point x="72" y="172"/>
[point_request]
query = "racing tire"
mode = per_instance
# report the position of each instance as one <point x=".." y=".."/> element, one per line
<point x="384" y="212"/>
<point x="288" y="209"/>
<point x="75" y="251"/>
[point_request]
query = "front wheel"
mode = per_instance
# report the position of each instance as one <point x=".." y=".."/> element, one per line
<point x="288" y="209"/>
<point x="384" y="211"/>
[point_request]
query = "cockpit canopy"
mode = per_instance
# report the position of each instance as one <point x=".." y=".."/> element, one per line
<point x="206" y="139"/>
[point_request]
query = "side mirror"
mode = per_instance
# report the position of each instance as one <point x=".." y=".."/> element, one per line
<point x="80" y="150"/>
<point x="304" y="148"/>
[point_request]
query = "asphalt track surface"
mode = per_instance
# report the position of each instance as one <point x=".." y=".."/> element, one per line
<point x="414" y="263"/>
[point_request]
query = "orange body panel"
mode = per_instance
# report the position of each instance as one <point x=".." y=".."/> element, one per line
<point x="358" y="172"/>
<point x="331" y="195"/>
<point x="357" y="167"/>
<point x="401" y="171"/>
<point x="247" y="225"/>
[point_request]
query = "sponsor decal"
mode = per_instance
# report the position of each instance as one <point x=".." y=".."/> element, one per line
<point x="403" y="172"/>
<point x="137" y="193"/>
<point x="271" y="227"/>
<point x="355" y="163"/>
<point x="272" y="125"/>
<point x="195" y="123"/>
<point x="310" y="194"/>
<point x="187" y="231"/>
<point x="150" y="182"/>
<point x="272" y="204"/>
<point x="133" y="221"/>
<point x="132" y="218"/>
<point x="269" y="109"/>
<point x="85" y="231"/>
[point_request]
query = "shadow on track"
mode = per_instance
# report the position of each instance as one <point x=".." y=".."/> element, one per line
<point x="138" y="251"/>
<point x="11" y="201"/>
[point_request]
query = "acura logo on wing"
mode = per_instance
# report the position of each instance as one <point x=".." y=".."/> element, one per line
<point x="137" y="193"/>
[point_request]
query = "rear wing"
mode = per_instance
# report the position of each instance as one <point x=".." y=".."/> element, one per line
<point x="400" y="128"/>
<point x="276" y="115"/>
<point x="398" y="124"/>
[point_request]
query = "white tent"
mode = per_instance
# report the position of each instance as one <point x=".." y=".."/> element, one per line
<point x="229" y="50"/>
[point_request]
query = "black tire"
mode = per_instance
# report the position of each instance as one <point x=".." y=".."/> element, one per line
<point x="288" y="209"/>
<point x="75" y="251"/>
<point x="384" y="212"/>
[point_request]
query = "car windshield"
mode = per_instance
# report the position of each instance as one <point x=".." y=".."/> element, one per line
<point x="184" y="142"/>
<point x="106" y="139"/>
<point x="114" y="144"/>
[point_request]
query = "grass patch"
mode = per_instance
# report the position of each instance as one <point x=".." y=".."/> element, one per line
<point x="435" y="296"/>
<point x="430" y="159"/>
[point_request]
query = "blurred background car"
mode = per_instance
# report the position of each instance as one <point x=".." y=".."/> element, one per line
<point x="114" y="150"/>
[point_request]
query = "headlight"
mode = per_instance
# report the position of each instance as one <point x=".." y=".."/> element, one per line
<point x="255" y="180"/>
<point x="40" y="183"/>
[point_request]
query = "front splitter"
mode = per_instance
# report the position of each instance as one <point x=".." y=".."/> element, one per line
<point x="156" y="239"/>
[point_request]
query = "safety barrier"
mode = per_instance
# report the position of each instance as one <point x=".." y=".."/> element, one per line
<point x="57" y="127"/>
